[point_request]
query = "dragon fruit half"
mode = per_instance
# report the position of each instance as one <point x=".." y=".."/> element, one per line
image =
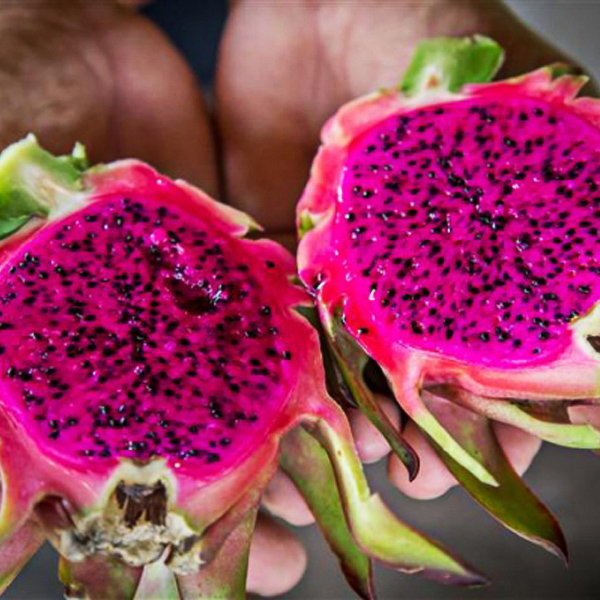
<point x="153" y="365"/>
<point x="450" y="233"/>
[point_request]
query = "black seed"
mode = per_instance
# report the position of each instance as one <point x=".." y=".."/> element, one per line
<point x="416" y="328"/>
<point x="549" y="296"/>
<point x="173" y="237"/>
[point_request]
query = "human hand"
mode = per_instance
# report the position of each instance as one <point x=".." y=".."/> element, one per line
<point x="285" y="68"/>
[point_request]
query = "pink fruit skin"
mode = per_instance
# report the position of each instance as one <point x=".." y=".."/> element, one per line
<point x="345" y="253"/>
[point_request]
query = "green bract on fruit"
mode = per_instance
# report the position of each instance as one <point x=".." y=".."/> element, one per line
<point x="450" y="234"/>
<point x="154" y="370"/>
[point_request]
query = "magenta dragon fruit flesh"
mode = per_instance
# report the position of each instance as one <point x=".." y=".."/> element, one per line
<point x="450" y="234"/>
<point x="154" y="370"/>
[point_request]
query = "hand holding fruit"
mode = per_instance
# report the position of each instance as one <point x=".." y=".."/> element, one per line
<point x="277" y="83"/>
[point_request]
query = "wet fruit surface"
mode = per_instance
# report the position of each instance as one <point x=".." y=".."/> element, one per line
<point x="133" y="329"/>
<point x="472" y="227"/>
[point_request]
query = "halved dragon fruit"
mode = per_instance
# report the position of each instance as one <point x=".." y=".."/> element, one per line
<point x="151" y="362"/>
<point x="450" y="233"/>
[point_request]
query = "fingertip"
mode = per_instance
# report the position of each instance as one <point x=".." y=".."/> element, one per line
<point x="433" y="479"/>
<point x="277" y="559"/>
<point x="370" y="444"/>
<point x="519" y="446"/>
<point x="282" y="499"/>
<point x="585" y="413"/>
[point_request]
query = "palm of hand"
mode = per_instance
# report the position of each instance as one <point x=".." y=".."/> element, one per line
<point x="283" y="70"/>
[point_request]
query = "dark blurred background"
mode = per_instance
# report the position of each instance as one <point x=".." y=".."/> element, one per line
<point x="568" y="481"/>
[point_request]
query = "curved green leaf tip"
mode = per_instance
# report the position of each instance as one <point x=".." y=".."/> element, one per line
<point x="450" y="63"/>
<point x="511" y="502"/>
<point x="305" y="462"/>
<point x="560" y="69"/>
<point x="78" y="158"/>
<point x="350" y="361"/>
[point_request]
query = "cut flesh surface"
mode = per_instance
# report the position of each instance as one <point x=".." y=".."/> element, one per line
<point x="152" y="358"/>
<point x="472" y="228"/>
<point x="449" y="232"/>
<point x="121" y="337"/>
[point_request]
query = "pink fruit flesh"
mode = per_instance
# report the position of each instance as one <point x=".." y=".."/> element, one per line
<point x="472" y="228"/>
<point x="133" y="330"/>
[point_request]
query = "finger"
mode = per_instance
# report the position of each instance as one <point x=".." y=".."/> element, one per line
<point x="519" y="446"/>
<point x="135" y="95"/>
<point x="370" y="444"/>
<point x="277" y="559"/>
<point x="268" y="140"/>
<point x="282" y="499"/>
<point x="585" y="413"/>
<point x="433" y="479"/>
<point x="159" y="113"/>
